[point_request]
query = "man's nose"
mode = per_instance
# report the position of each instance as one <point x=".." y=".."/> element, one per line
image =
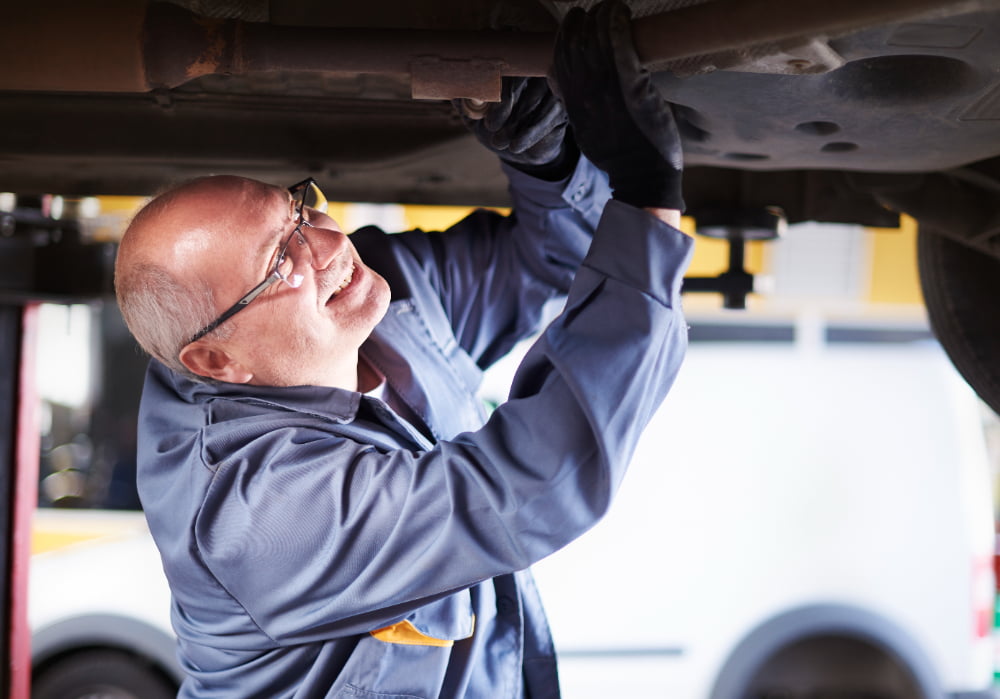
<point x="326" y="245"/>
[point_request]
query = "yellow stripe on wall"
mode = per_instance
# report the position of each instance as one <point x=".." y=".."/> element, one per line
<point x="338" y="212"/>
<point x="893" y="277"/>
<point x="436" y="218"/>
<point x="711" y="255"/>
<point x="55" y="528"/>
<point x="42" y="541"/>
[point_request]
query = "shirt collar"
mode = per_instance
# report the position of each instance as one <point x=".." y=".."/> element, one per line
<point x="337" y="404"/>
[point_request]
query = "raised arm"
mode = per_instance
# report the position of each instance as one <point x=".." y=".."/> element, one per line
<point x="541" y="472"/>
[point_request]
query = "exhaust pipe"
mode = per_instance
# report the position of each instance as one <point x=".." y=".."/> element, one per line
<point x="131" y="46"/>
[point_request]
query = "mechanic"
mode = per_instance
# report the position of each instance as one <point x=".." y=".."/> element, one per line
<point x="333" y="515"/>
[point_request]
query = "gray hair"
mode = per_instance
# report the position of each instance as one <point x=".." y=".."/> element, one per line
<point x="161" y="312"/>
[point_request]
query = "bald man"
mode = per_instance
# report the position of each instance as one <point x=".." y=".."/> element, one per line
<point x="335" y="514"/>
<point x="211" y="239"/>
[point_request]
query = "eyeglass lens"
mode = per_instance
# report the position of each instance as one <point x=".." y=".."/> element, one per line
<point x="308" y="195"/>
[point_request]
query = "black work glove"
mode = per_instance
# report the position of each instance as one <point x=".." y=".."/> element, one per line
<point x="618" y="118"/>
<point x="527" y="129"/>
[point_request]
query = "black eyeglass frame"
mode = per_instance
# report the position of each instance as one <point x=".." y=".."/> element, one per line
<point x="275" y="275"/>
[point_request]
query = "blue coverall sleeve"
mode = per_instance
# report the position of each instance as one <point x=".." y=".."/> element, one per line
<point x="494" y="274"/>
<point x="386" y="531"/>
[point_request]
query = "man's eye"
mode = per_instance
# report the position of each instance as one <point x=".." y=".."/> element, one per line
<point x="284" y="265"/>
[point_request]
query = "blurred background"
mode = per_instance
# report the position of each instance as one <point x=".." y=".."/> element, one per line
<point x="811" y="514"/>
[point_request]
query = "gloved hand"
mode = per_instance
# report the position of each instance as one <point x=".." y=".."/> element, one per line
<point x="527" y="129"/>
<point x="617" y="117"/>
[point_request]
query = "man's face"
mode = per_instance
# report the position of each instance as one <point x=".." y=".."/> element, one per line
<point x="309" y="334"/>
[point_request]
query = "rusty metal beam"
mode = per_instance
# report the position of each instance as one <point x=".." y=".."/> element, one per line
<point x="441" y="64"/>
<point x="130" y="47"/>
<point x="70" y="47"/>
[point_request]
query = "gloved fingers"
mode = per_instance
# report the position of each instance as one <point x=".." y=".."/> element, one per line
<point x="520" y="111"/>
<point x="542" y="151"/>
<point x="606" y="21"/>
<point x="530" y="98"/>
<point x="545" y="114"/>
<point x="568" y="51"/>
<point x="495" y="113"/>
<point x="526" y="128"/>
<point x="620" y="120"/>
<point x="534" y="97"/>
<point x="499" y="113"/>
<point x="650" y="112"/>
<point x="617" y="22"/>
<point x="537" y="118"/>
<point x="584" y="48"/>
<point x="555" y="139"/>
<point x="675" y="154"/>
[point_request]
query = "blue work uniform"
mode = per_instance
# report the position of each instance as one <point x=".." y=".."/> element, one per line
<point x="318" y="544"/>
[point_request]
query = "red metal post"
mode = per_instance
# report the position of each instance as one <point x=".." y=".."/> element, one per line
<point x="26" y="464"/>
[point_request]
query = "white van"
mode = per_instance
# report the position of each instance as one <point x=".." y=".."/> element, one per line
<point x="99" y="609"/>
<point x="808" y="516"/>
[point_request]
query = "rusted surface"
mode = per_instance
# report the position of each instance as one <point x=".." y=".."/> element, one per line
<point x="438" y="78"/>
<point x="67" y="46"/>
<point x="127" y="47"/>
<point x="435" y="55"/>
<point x="179" y="46"/>
<point x="114" y="101"/>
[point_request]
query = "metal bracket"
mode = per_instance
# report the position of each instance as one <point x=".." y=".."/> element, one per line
<point x="736" y="227"/>
<point x="433" y="78"/>
<point x="734" y="284"/>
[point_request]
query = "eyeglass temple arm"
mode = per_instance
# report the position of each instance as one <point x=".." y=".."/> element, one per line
<point x="236" y="307"/>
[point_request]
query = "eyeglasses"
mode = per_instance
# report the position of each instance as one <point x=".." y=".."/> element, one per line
<point x="305" y="194"/>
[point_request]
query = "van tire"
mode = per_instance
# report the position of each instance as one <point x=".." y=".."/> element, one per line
<point x="960" y="287"/>
<point x="109" y="674"/>
<point x="832" y="667"/>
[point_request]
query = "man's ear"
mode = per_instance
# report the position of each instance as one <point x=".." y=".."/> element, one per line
<point x="212" y="362"/>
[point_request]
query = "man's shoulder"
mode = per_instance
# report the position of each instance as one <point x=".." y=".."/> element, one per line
<point x="173" y="402"/>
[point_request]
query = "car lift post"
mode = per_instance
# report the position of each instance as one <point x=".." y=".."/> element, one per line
<point x="19" y="456"/>
<point x="41" y="259"/>
<point x="735" y="227"/>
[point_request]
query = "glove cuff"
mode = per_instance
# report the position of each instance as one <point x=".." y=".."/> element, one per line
<point x="558" y="169"/>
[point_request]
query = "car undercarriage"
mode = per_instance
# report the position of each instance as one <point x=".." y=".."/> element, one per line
<point x="837" y="111"/>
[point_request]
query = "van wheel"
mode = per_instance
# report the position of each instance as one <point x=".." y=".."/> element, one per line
<point x="961" y="286"/>
<point x="101" y="674"/>
<point x="832" y="667"/>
